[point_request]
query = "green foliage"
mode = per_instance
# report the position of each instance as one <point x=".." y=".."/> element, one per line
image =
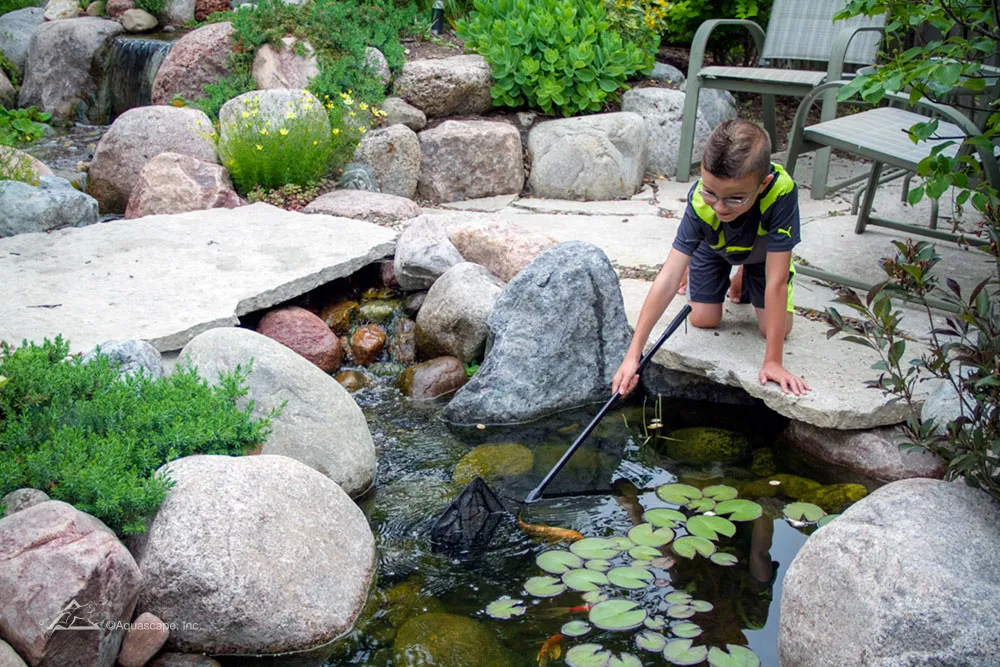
<point x="639" y="21"/>
<point x="154" y="7"/>
<point x="559" y="56"/>
<point x="682" y="19"/>
<point x="86" y="437"/>
<point x="291" y="197"/>
<point x="470" y="369"/>
<point x="217" y="94"/>
<point x="7" y="6"/>
<point x="10" y="69"/>
<point x="19" y="126"/>
<point x="16" y="166"/>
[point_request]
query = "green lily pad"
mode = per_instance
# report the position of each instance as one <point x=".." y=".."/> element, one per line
<point x="737" y="656"/>
<point x="682" y="652"/>
<point x="661" y="517"/>
<point x="632" y="578"/>
<point x="617" y="615"/>
<point x="505" y="608"/>
<point x="623" y="543"/>
<point x="595" y="547"/>
<point x="576" y="628"/>
<point x="701" y="606"/>
<point x="544" y="587"/>
<point x="644" y="553"/>
<point x="651" y="641"/>
<point x="804" y="512"/>
<point x="585" y="580"/>
<point x="722" y="558"/>
<point x="645" y="534"/>
<point x="598" y="564"/>
<point x="677" y="494"/>
<point x="680" y="611"/>
<point x="593" y="597"/>
<point x="690" y="545"/>
<point x="655" y="622"/>
<point x="558" y="561"/>
<point x="624" y="660"/>
<point x="588" y="655"/>
<point x="710" y="527"/>
<point x="739" y="509"/>
<point x="719" y="492"/>
<point x="827" y="519"/>
<point x="702" y="504"/>
<point x="678" y="597"/>
<point x="686" y="630"/>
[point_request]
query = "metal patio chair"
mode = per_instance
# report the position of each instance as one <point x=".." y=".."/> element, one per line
<point x="798" y="30"/>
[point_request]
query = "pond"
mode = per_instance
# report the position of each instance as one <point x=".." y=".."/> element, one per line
<point x="603" y="491"/>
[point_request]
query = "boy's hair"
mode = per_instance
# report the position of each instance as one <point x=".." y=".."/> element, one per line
<point x="736" y="149"/>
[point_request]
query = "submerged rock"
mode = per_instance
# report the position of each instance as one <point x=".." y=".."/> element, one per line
<point x="433" y="378"/>
<point x="340" y="316"/>
<point x="367" y="343"/>
<point x="352" y="381"/>
<point x="448" y="639"/>
<point x="379" y="310"/>
<point x="763" y="462"/>
<point x="835" y="498"/>
<point x="492" y="462"/>
<point x="700" y="445"/>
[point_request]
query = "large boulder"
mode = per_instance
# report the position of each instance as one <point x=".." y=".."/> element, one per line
<point x="459" y="85"/>
<point x="423" y="253"/>
<point x="374" y="207"/>
<point x="53" y="204"/>
<point x="9" y="657"/>
<point x="470" y="159"/>
<point x="291" y="65"/>
<point x="131" y="356"/>
<point x="240" y="542"/>
<point x="63" y="568"/>
<point x="176" y="12"/>
<point x="452" y="321"/>
<point x="56" y="10"/>
<point x="135" y="138"/>
<point x="57" y="73"/>
<point x="272" y="106"/>
<point x="16" y="30"/>
<point x="597" y="157"/>
<point x="13" y="156"/>
<point x="394" y="155"/>
<point x="663" y="110"/>
<point x="321" y="425"/>
<point x="502" y="247"/>
<point x="175" y="183"/>
<point x="306" y="334"/>
<point x="196" y="59"/>
<point x="558" y="332"/>
<point x="376" y="63"/>
<point x="901" y="578"/>
<point x="717" y="105"/>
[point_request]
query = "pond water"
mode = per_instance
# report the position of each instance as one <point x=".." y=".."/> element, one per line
<point x="418" y="453"/>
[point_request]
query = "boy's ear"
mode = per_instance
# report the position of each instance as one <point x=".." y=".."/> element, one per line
<point x="767" y="181"/>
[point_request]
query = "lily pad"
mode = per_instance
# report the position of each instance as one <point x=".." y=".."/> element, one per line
<point x="682" y="652"/>
<point x="722" y="558"/>
<point x="737" y="656"/>
<point x="576" y="628"/>
<point x="686" y="630"/>
<point x="593" y="597"/>
<point x="739" y="509"/>
<point x="701" y="606"/>
<point x="585" y="580"/>
<point x="661" y="517"/>
<point x="655" y="622"/>
<point x="558" y="561"/>
<point x="505" y="608"/>
<point x="544" y="587"/>
<point x="595" y="547"/>
<point x="587" y="655"/>
<point x="804" y="512"/>
<point x="632" y="578"/>
<point x="651" y="641"/>
<point x="624" y="660"/>
<point x="617" y="615"/>
<point x="663" y="562"/>
<point x="644" y="553"/>
<point x="680" y="611"/>
<point x="645" y="534"/>
<point x="690" y="545"/>
<point x="719" y="492"/>
<point x="702" y="504"/>
<point x="710" y="527"/>
<point x="623" y="543"/>
<point x="678" y="597"/>
<point x="678" y="494"/>
<point x="827" y="519"/>
<point x="598" y="564"/>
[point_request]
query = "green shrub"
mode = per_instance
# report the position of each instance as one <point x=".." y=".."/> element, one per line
<point x="639" y="21"/>
<point x="554" y="55"/>
<point x="22" y="125"/>
<point x="7" y="6"/>
<point x="154" y="7"/>
<point x="16" y="166"/>
<point x="726" y="44"/>
<point x="85" y="437"/>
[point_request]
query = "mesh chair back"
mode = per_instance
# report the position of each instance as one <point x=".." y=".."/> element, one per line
<point x="805" y="29"/>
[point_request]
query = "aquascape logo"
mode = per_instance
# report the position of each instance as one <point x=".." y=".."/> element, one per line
<point x="74" y="616"/>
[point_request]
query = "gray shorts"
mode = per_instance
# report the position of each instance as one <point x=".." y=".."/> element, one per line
<point x="708" y="279"/>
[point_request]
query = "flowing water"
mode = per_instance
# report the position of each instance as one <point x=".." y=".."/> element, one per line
<point x="132" y="63"/>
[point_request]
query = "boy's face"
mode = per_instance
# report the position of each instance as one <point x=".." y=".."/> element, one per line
<point x="731" y="197"/>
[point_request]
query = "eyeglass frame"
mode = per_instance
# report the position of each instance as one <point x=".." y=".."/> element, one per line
<point x="730" y="202"/>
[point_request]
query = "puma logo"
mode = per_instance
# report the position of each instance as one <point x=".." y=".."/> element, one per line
<point x="787" y="231"/>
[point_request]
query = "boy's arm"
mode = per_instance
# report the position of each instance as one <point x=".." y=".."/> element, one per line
<point x="775" y="315"/>
<point x="660" y="295"/>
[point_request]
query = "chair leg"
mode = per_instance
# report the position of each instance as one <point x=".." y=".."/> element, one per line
<point x="689" y="122"/>
<point x="866" y="205"/>
<point x="770" y="125"/>
<point x="905" y="195"/>
<point x="856" y="199"/>
<point x="934" y="213"/>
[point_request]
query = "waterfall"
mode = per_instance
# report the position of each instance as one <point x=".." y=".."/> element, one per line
<point x="132" y="63"/>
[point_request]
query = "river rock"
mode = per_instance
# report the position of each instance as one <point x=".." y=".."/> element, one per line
<point x="131" y="357"/>
<point x="284" y="67"/>
<point x="304" y="333"/>
<point x="453" y="318"/>
<point x="403" y="342"/>
<point x="135" y="138"/>
<point x="502" y="247"/>
<point x="494" y="462"/>
<point x="61" y="565"/>
<point x="602" y="156"/>
<point x="61" y="9"/>
<point x="897" y="580"/>
<point x="175" y="183"/>
<point x="374" y="207"/>
<point x="176" y="12"/>
<point x="53" y="204"/>
<point x="663" y="110"/>
<point x="375" y="62"/>
<point x="447" y="639"/>
<point x="205" y="8"/>
<point x="57" y="72"/>
<point x="321" y="425"/>
<point x="146" y="636"/>
<point x="9" y="657"/>
<point x="423" y="253"/>
<point x="196" y="59"/>
<point x="261" y="538"/>
<point x="22" y="499"/>
<point x="138" y="20"/>
<point x="352" y="381"/>
<point x="16" y="30"/>
<point x="459" y="85"/>
<point x="96" y="8"/>
<point x="871" y="454"/>
<point x="340" y="316"/>
<point x="367" y="343"/>
<point x="470" y="159"/>
<point x="400" y="112"/>
<point x="558" y="333"/>
<point x="393" y="153"/>
<point x="433" y="378"/>
<point x="116" y="8"/>
<point x="170" y="659"/>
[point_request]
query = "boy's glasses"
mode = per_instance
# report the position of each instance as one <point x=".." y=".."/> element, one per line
<point x="730" y="202"/>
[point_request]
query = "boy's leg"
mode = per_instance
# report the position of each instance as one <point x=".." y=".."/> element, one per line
<point x="736" y="286"/>
<point x="708" y="280"/>
<point x="754" y="282"/>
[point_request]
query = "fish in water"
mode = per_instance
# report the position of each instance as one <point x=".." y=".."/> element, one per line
<point x="557" y="612"/>
<point x="548" y="533"/>
<point x="551" y="650"/>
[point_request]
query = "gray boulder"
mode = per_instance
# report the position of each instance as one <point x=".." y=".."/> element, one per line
<point x="904" y="577"/>
<point x="393" y="154"/>
<point x="176" y="12"/>
<point x="447" y="86"/>
<point x="663" y="110"/>
<point x="943" y="404"/>
<point x="53" y="204"/>
<point x="399" y="111"/>
<point x="22" y="499"/>
<point x="558" y="332"/>
<point x="58" y="77"/>
<point x="9" y="657"/>
<point x="716" y="106"/>
<point x="16" y="30"/>
<point x="423" y="254"/>
<point x="376" y="62"/>
<point x="667" y="73"/>
<point x="452" y="321"/>
<point x="291" y="65"/>
<point x="242" y="541"/>
<point x="320" y="426"/>
<point x="272" y="106"/>
<point x="470" y="159"/>
<point x="8" y="96"/>
<point x="175" y="183"/>
<point x="374" y="207"/>
<point x="64" y="567"/>
<point x="132" y="356"/>
<point x="595" y="157"/>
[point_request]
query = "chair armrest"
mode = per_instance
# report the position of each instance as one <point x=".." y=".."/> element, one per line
<point x="701" y="40"/>
<point x="835" y="67"/>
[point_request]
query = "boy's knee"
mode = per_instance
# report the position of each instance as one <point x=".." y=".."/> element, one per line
<point x="705" y="318"/>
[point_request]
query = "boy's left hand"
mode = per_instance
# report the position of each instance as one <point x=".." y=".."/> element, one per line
<point x="776" y="373"/>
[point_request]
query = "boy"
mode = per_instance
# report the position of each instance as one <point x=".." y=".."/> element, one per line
<point x="743" y="211"/>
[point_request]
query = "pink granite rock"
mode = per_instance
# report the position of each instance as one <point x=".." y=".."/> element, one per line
<point x="198" y="58"/>
<point x="175" y="183"/>
<point x="305" y="333"/>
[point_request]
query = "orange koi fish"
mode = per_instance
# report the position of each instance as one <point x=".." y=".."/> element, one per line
<point x="548" y="533"/>
<point x="557" y="612"/>
<point x="551" y="650"/>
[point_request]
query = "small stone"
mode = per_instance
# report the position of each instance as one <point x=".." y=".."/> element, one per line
<point x="403" y="345"/>
<point x="358" y="176"/>
<point x="433" y="378"/>
<point x="137" y="20"/>
<point x="352" y="381"/>
<point x="763" y="462"/>
<point x="142" y="640"/>
<point x="367" y="342"/>
<point x="399" y="111"/>
<point x="22" y="499"/>
<point x="380" y="311"/>
<point x="340" y="316"/>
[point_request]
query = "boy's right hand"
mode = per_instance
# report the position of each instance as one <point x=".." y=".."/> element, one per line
<point x="625" y="379"/>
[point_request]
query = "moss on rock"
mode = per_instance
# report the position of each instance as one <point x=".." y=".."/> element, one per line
<point x="701" y="445"/>
<point x="835" y="498"/>
<point x="379" y="312"/>
<point x="495" y="461"/>
<point x="763" y="462"/>
<point x="448" y="639"/>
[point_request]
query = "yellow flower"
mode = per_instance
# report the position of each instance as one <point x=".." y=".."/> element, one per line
<point x="329" y="105"/>
<point x="351" y="114"/>
<point x="283" y="132"/>
<point x="336" y="130"/>
<point x="259" y="147"/>
<point x="231" y="162"/>
<point x="361" y="130"/>
<point x="263" y="130"/>
<point x="246" y="114"/>
<point x="291" y="114"/>
<point x="363" y="106"/>
<point x="315" y="142"/>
